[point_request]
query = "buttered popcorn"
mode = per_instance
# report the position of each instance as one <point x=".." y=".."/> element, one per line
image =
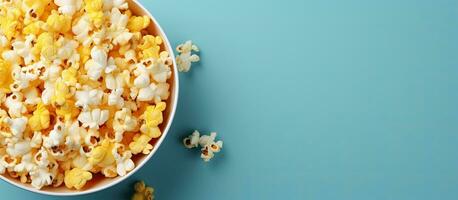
<point x="83" y="87"/>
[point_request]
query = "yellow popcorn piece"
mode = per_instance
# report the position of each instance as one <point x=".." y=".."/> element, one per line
<point x="36" y="8"/>
<point x="94" y="8"/>
<point x="40" y="119"/>
<point x="34" y="28"/>
<point x="45" y="46"/>
<point x="150" y="47"/>
<point x="68" y="110"/>
<point x="61" y="93"/>
<point x="9" y="22"/>
<point x="102" y="155"/>
<point x="59" y="23"/>
<point x="69" y="76"/>
<point x="85" y="53"/>
<point x="5" y="79"/>
<point x="143" y="192"/>
<point x="153" y="114"/>
<point x="77" y="178"/>
<point x="141" y="144"/>
<point x="138" y="23"/>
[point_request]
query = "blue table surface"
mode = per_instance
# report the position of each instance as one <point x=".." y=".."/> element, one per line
<point x="314" y="99"/>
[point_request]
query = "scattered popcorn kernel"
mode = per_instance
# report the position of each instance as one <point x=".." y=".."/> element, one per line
<point x="207" y="143"/>
<point x="185" y="58"/>
<point x="77" y="178"/>
<point x="143" y="192"/>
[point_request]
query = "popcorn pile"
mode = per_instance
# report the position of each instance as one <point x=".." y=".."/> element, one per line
<point x="82" y="90"/>
<point x="207" y="142"/>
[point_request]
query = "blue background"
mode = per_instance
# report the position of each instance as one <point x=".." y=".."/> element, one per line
<point x="314" y="99"/>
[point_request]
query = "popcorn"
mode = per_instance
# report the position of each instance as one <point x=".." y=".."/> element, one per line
<point x="192" y="141"/>
<point x="59" y="23"/>
<point x="150" y="46"/>
<point x="185" y="58"/>
<point x="55" y="137"/>
<point x="93" y="118"/>
<point x="123" y="121"/>
<point x="6" y="79"/>
<point x="26" y="164"/>
<point x="68" y="7"/>
<point x="102" y="155"/>
<point x="88" y="97"/>
<point x="139" y="23"/>
<point x="115" y="98"/>
<point x="207" y="142"/>
<point x="143" y="192"/>
<point x="123" y="162"/>
<point x="15" y="105"/>
<point x="94" y="10"/>
<point x="17" y="126"/>
<point x="77" y="178"/>
<point x="154" y="92"/>
<point x="40" y="119"/>
<point x="82" y="90"/>
<point x="96" y="65"/>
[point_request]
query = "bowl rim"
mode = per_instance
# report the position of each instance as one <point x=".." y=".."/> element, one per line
<point x="174" y="102"/>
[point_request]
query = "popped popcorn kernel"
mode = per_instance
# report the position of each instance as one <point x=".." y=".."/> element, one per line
<point x="40" y="119"/>
<point x="150" y="46"/>
<point x="207" y="143"/>
<point x="5" y="80"/>
<point x="77" y="178"/>
<point x="59" y="23"/>
<point x="139" y="23"/>
<point x="142" y="192"/>
<point x="185" y="57"/>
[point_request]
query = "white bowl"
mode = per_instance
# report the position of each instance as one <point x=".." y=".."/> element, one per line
<point x="99" y="182"/>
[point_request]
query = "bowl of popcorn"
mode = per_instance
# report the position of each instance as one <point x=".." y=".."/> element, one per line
<point x="88" y="91"/>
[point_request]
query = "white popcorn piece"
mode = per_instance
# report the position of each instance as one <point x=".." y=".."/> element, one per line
<point x="81" y="29"/>
<point x="7" y="162"/>
<point x="111" y="66"/>
<point x="142" y="76"/>
<point x="117" y="81"/>
<point x="123" y="121"/>
<point x="185" y="58"/>
<point x="115" y="98"/>
<point x="19" y="148"/>
<point x="40" y="176"/>
<point x="67" y="48"/>
<point x="161" y="72"/>
<point x="119" y="4"/>
<point x="118" y="31"/>
<point x="192" y="141"/>
<point x="37" y="140"/>
<point x="93" y="118"/>
<point x="80" y="161"/>
<point x="15" y="105"/>
<point x="3" y="41"/>
<point x="73" y="136"/>
<point x="68" y="7"/>
<point x="154" y="92"/>
<point x="97" y="64"/>
<point x="17" y="126"/>
<point x="123" y="159"/>
<point x="52" y="73"/>
<point x="56" y="136"/>
<point x="26" y="164"/>
<point x="47" y="93"/>
<point x="11" y="56"/>
<point x="88" y="97"/>
<point x="31" y="96"/>
<point x="22" y="78"/>
<point x="24" y="48"/>
<point x="207" y="142"/>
